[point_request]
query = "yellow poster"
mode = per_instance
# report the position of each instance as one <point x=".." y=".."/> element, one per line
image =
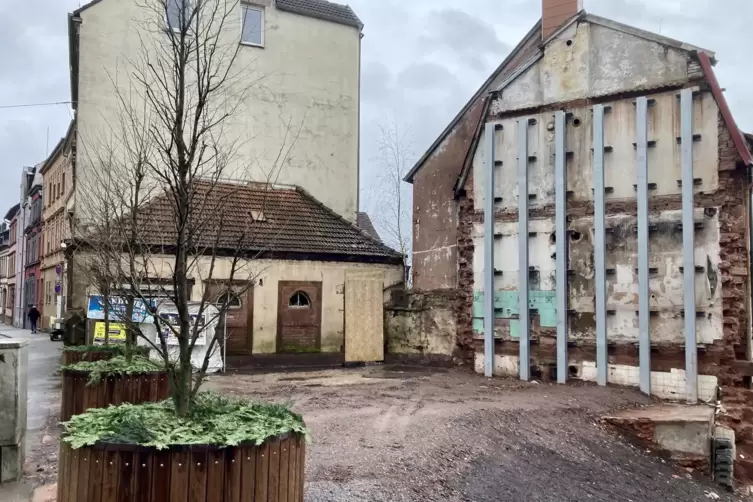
<point x="117" y="332"/>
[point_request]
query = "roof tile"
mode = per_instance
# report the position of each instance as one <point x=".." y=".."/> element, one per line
<point x="261" y="218"/>
<point x="322" y="9"/>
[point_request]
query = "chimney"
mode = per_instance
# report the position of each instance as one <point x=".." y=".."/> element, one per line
<point x="554" y="13"/>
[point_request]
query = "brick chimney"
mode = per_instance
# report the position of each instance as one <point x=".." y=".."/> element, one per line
<point x="554" y="13"/>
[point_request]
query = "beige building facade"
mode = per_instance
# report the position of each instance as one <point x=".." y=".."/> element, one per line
<point x="57" y="187"/>
<point x="298" y="122"/>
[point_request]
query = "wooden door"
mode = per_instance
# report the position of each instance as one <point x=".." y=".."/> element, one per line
<point x="364" y="316"/>
<point x="238" y="319"/>
<point x="299" y="317"/>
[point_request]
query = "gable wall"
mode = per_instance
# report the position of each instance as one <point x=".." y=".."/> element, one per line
<point x="614" y="68"/>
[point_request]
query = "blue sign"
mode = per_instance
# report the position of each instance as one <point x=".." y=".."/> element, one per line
<point x="117" y="309"/>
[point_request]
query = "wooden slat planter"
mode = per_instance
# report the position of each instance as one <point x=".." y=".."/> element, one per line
<point x="273" y="471"/>
<point x="115" y="389"/>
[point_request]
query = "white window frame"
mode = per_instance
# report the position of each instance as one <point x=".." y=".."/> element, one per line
<point x="246" y="6"/>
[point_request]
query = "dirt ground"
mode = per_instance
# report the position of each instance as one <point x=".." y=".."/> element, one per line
<point x="404" y="434"/>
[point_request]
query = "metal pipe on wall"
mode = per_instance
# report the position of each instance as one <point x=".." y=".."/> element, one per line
<point x="644" y="351"/>
<point x="489" y="181"/>
<point x="560" y="175"/>
<point x="600" y="246"/>
<point x="688" y="243"/>
<point x="524" y="316"/>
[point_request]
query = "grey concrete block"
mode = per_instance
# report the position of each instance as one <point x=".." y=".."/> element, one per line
<point x="14" y="362"/>
<point x="688" y="437"/>
<point x="11" y="463"/>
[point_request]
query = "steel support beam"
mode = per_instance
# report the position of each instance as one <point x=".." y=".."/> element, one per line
<point x="600" y="246"/>
<point x="560" y="176"/>
<point x="489" y="250"/>
<point x="525" y="318"/>
<point x="644" y="328"/>
<point x="688" y="243"/>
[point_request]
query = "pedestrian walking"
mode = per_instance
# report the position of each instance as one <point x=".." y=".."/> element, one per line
<point x="34" y="316"/>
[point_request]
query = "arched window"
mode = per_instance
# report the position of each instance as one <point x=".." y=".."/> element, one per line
<point x="229" y="299"/>
<point x="299" y="300"/>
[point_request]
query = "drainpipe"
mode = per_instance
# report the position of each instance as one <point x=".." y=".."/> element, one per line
<point x="749" y="340"/>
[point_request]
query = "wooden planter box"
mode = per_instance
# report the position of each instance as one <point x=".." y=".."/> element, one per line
<point x="115" y="389"/>
<point x="273" y="471"/>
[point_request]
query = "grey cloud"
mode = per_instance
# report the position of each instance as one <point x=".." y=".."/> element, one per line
<point x="376" y="81"/>
<point x="470" y="38"/>
<point x="462" y="33"/>
<point x="34" y="58"/>
<point x="427" y="76"/>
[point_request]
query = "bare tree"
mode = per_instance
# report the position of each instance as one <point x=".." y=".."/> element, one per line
<point x="159" y="214"/>
<point x="393" y="195"/>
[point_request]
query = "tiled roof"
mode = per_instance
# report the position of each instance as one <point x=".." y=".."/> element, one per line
<point x="257" y="218"/>
<point x="322" y="9"/>
<point x="363" y="221"/>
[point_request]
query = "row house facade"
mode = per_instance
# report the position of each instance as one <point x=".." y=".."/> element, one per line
<point x="10" y="280"/>
<point x="57" y="184"/>
<point x="34" y="242"/>
<point x="20" y="306"/>
<point x="4" y="247"/>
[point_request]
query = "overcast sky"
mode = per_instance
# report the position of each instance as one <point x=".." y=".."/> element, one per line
<point x="422" y="60"/>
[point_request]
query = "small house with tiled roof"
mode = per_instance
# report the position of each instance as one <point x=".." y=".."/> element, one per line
<point x="296" y="253"/>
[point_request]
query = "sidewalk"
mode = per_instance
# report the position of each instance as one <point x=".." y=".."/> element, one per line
<point x="43" y="400"/>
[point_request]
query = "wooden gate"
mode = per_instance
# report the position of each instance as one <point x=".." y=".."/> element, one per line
<point x="299" y="317"/>
<point x="238" y="319"/>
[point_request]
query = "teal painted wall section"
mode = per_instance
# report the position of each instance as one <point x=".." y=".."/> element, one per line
<point x="506" y="306"/>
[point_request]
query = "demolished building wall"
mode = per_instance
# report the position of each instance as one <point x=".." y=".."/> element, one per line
<point x="596" y="63"/>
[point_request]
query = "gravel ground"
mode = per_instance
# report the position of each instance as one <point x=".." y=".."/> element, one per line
<point x="404" y="434"/>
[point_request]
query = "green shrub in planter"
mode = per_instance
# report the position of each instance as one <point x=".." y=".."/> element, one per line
<point x="98" y="384"/>
<point x="223" y="449"/>
<point x="76" y="353"/>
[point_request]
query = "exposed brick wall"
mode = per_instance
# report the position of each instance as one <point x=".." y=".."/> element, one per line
<point x="737" y="400"/>
<point x="464" y="304"/>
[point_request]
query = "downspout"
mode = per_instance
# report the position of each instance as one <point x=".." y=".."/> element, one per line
<point x="358" y="138"/>
<point x="749" y="338"/>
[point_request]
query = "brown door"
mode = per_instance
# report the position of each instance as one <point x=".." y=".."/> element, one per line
<point x="299" y="317"/>
<point x="238" y="318"/>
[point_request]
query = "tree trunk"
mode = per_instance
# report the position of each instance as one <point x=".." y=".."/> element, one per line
<point x="130" y="345"/>
<point x="106" y="306"/>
